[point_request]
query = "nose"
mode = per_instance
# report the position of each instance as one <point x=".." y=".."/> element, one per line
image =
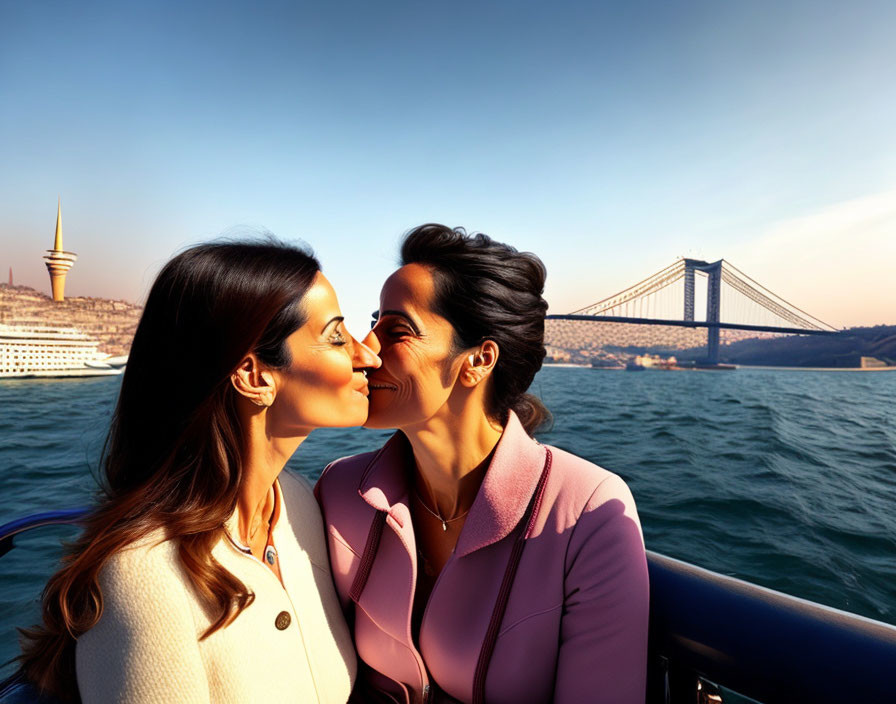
<point x="363" y="357"/>
<point x="372" y="342"/>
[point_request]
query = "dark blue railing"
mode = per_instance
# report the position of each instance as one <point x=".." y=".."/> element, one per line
<point x="8" y="531"/>
<point x="14" y="690"/>
<point x="708" y="630"/>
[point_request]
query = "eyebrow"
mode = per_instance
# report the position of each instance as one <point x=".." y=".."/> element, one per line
<point x="335" y="319"/>
<point x="401" y="314"/>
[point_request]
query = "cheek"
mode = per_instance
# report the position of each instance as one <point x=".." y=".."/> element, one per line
<point x="320" y="394"/>
<point x="420" y="365"/>
<point x="329" y="372"/>
<point x="423" y="380"/>
<point x="318" y="389"/>
<point x="410" y="371"/>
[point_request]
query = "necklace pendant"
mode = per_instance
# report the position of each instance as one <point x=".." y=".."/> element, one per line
<point x="444" y="526"/>
<point x="270" y="554"/>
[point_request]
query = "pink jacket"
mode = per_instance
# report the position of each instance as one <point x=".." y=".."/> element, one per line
<point x="575" y="627"/>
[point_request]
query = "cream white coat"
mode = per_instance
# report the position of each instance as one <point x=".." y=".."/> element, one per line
<point x="146" y="647"/>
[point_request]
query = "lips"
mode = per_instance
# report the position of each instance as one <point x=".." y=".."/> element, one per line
<point x="362" y="388"/>
<point x="376" y="385"/>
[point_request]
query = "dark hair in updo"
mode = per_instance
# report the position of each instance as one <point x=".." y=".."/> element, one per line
<point x="488" y="290"/>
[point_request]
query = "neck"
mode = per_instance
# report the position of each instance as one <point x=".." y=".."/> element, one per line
<point x="263" y="459"/>
<point x="452" y="452"/>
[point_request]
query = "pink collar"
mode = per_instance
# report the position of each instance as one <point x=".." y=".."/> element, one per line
<point x="509" y="483"/>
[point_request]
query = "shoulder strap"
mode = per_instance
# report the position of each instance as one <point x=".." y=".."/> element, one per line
<point x="373" y="543"/>
<point x="491" y="635"/>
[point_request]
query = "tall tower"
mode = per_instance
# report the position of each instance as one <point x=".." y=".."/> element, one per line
<point x="58" y="260"/>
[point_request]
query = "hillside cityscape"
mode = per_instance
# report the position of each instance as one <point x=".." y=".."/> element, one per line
<point x="609" y="344"/>
<point x="605" y="344"/>
<point x="111" y="322"/>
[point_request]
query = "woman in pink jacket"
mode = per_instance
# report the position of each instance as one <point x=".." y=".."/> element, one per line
<point x="473" y="563"/>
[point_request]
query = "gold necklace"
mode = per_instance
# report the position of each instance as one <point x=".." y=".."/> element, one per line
<point x="445" y="521"/>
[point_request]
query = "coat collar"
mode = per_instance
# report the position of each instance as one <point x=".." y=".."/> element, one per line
<point x="506" y="490"/>
<point x="384" y="483"/>
<point x="499" y="506"/>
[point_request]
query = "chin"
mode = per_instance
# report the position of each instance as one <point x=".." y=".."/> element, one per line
<point x="372" y="423"/>
<point x="353" y="420"/>
<point x="378" y="422"/>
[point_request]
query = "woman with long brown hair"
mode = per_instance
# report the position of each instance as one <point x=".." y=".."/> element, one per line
<point x="202" y="573"/>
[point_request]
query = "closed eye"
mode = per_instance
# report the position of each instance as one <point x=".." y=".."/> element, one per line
<point x="396" y="332"/>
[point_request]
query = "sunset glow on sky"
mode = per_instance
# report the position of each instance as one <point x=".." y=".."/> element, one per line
<point x="609" y="138"/>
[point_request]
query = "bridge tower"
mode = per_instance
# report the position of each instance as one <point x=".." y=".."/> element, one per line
<point x="689" y="289"/>
<point x="713" y="301"/>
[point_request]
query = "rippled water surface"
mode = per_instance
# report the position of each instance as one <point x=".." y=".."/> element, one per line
<point x="786" y="479"/>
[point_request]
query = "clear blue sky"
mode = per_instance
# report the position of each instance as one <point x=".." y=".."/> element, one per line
<point x="609" y="138"/>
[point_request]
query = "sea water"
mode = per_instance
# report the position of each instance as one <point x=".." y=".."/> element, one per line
<point x="783" y="478"/>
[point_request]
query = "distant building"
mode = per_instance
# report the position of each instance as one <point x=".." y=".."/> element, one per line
<point x="58" y="260"/>
<point x="872" y="363"/>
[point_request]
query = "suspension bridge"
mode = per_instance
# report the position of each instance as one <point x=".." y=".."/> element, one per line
<point x="674" y="296"/>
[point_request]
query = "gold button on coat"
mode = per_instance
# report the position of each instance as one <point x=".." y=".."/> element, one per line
<point x="283" y="620"/>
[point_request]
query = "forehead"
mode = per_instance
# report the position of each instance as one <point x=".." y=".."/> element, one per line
<point x="410" y="288"/>
<point x="320" y="301"/>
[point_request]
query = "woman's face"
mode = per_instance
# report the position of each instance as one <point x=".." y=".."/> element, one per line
<point x="420" y="365"/>
<point x="324" y="385"/>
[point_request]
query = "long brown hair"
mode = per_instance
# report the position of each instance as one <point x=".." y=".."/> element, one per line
<point x="172" y="458"/>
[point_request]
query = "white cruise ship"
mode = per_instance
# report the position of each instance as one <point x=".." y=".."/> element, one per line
<point x="52" y="352"/>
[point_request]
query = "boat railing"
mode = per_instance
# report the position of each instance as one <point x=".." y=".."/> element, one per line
<point x="709" y="634"/>
<point x="8" y="531"/>
<point x="708" y="630"/>
<point x="13" y="689"/>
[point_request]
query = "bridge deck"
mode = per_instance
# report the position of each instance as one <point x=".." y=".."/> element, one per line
<point x="691" y="324"/>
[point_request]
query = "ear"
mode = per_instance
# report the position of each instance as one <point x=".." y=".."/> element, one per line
<point x="253" y="382"/>
<point x="479" y="363"/>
